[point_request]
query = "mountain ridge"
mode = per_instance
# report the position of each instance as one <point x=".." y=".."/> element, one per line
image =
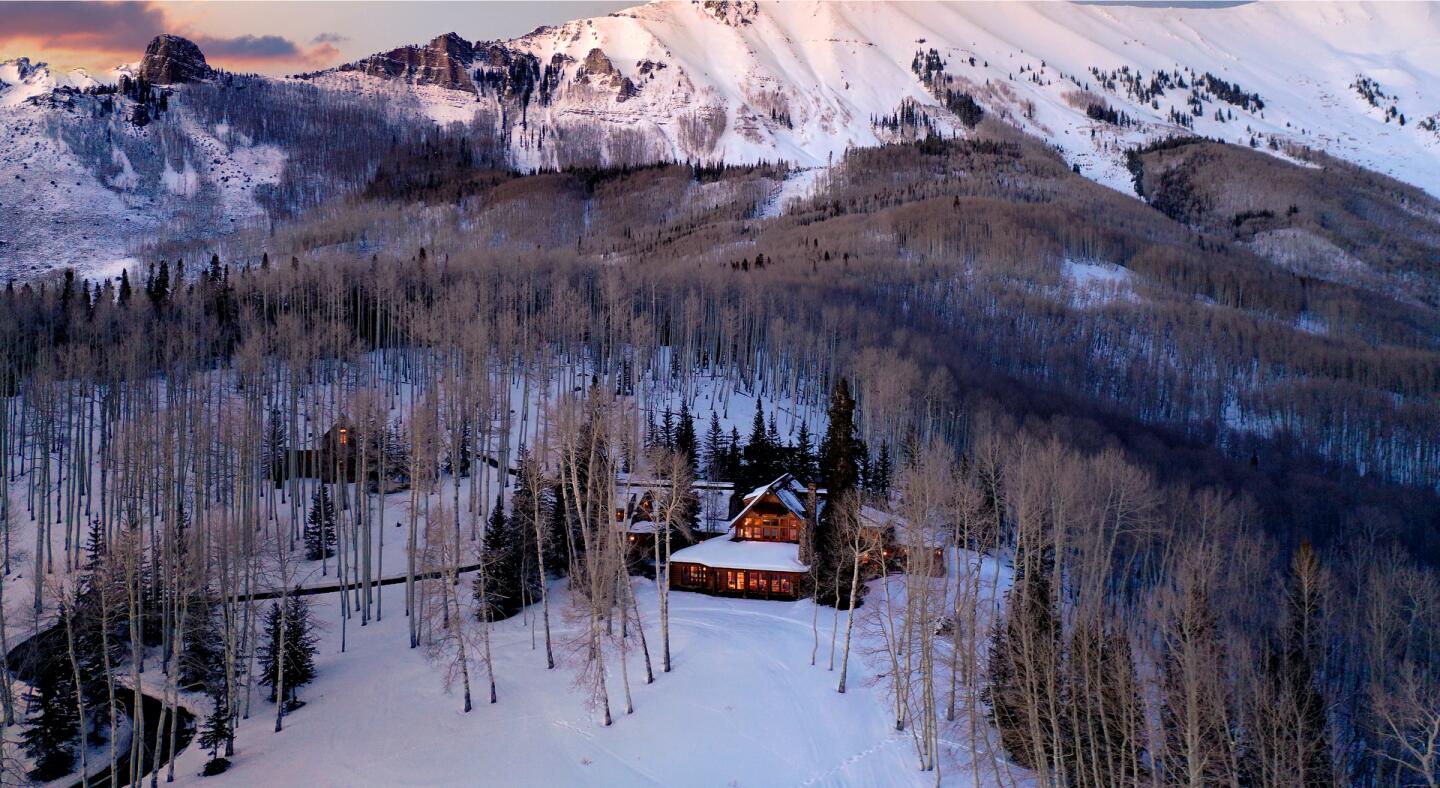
<point x="741" y="82"/>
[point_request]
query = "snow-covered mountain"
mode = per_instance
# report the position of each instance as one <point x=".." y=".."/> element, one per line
<point x="803" y="81"/>
<point x="735" y="82"/>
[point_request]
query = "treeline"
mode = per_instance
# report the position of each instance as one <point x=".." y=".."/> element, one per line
<point x="439" y="354"/>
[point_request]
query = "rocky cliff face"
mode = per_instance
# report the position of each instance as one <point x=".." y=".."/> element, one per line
<point x="171" y="59"/>
<point x="597" y="68"/>
<point x="444" y="62"/>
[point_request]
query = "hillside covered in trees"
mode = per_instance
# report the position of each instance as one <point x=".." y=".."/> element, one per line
<point x="1184" y="487"/>
<point x="1086" y="416"/>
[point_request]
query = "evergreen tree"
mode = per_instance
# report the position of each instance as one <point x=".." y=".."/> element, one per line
<point x="320" y="525"/>
<point x="1105" y="740"/>
<point x="275" y="445"/>
<point x="759" y="457"/>
<point x="685" y="440"/>
<point x="1192" y="720"/>
<point x="216" y="729"/>
<point x="803" y="456"/>
<point x="267" y="658"/>
<point x="293" y="620"/>
<point x="667" y="430"/>
<point x="125" y="288"/>
<point x="716" y="460"/>
<point x="462" y="467"/>
<point x="880" y="471"/>
<point x="735" y="468"/>
<point x="1024" y="652"/>
<point x="560" y="534"/>
<point x="51" y="734"/>
<point x="300" y="642"/>
<point x="841" y="455"/>
<point x="202" y="662"/>
<point x="507" y="584"/>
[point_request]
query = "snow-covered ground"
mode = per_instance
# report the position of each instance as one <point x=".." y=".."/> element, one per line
<point x="1095" y="283"/>
<point x="743" y="707"/>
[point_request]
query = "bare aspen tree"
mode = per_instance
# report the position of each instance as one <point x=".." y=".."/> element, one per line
<point x="863" y="543"/>
<point x="450" y="631"/>
<point x="673" y="500"/>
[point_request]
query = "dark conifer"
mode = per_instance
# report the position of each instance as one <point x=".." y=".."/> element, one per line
<point x="841" y="456"/>
<point x="125" y="289"/>
<point x="803" y="455"/>
<point x="52" y="731"/>
<point x="320" y="525"/>
<point x="667" y="430"/>
<point x="685" y="440"/>
<point x="216" y="729"/>
<point x="300" y="641"/>
<point x="507" y="585"/>
<point x="1106" y="736"/>
<point x="1298" y="654"/>
<point x="715" y="451"/>
<point x="734" y="460"/>
<point x="1024" y="650"/>
<point x="560" y="535"/>
<point x="759" y="457"/>
<point x="293" y="620"/>
<point x="880" y="472"/>
<point x="202" y="662"/>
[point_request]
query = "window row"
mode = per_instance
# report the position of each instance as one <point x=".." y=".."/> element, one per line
<point x="758" y="582"/>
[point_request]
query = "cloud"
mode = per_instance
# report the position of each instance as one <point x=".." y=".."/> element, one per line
<point x="110" y="31"/>
<point x="101" y="26"/>
<point x="249" y="47"/>
<point x="329" y="38"/>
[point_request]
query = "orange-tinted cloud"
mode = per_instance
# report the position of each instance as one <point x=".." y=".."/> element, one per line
<point x="110" y="32"/>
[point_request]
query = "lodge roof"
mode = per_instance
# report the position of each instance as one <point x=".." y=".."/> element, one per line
<point x="787" y="489"/>
<point x="723" y="552"/>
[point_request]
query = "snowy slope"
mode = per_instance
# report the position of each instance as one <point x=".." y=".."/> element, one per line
<point x="62" y="207"/>
<point x="802" y="81"/>
<point x="708" y="80"/>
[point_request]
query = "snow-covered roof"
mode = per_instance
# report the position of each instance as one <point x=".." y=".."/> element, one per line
<point x="787" y="481"/>
<point x="624" y="480"/>
<point x="872" y="517"/>
<point x="789" y="491"/>
<point x="723" y="552"/>
<point x="713" y="498"/>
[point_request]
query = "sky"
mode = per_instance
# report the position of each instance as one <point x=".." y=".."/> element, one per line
<point x="266" y="36"/>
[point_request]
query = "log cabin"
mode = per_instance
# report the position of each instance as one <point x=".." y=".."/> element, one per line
<point x="333" y="457"/>
<point x="759" y="555"/>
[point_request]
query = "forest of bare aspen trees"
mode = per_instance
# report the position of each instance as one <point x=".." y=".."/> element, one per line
<point x="1191" y="542"/>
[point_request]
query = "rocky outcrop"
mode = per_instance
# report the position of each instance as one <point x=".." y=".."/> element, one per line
<point x="735" y="13"/>
<point x="597" y="69"/>
<point x="171" y="60"/>
<point x="444" y="62"/>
